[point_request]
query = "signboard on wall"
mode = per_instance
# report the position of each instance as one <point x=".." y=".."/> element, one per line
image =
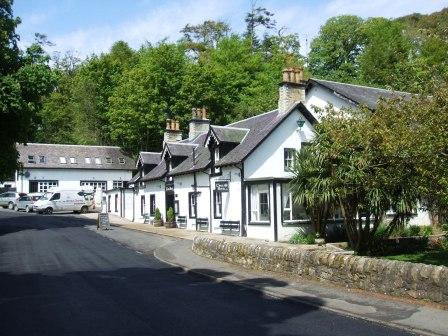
<point x="169" y="185"/>
<point x="222" y="185"/>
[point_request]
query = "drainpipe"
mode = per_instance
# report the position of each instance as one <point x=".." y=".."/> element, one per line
<point x="243" y="232"/>
<point x="195" y="195"/>
<point x="133" y="203"/>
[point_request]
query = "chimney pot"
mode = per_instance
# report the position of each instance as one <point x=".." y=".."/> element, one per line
<point x="292" y="88"/>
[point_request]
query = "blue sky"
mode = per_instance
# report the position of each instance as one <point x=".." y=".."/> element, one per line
<point x="86" y="27"/>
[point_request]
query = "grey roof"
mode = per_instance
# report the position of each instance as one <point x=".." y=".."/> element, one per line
<point x="229" y="134"/>
<point x="156" y="173"/>
<point x="363" y="95"/>
<point x="180" y="149"/>
<point x="135" y="178"/>
<point x="52" y="153"/>
<point x="150" y="157"/>
<point x="201" y="161"/>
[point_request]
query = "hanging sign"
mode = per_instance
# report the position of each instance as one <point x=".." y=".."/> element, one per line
<point x="222" y="185"/>
<point x="169" y="185"/>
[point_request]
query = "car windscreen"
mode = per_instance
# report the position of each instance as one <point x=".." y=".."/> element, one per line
<point x="46" y="196"/>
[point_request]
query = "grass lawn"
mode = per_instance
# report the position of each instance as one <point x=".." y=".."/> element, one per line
<point x="434" y="257"/>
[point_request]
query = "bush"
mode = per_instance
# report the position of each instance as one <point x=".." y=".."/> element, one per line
<point x="157" y="214"/>
<point x="301" y="238"/>
<point x="426" y="231"/>
<point x="413" y="230"/>
<point x="381" y="232"/>
<point x="170" y="215"/>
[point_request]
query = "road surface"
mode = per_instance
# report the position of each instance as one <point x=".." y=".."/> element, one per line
<point x="59" y="277"/>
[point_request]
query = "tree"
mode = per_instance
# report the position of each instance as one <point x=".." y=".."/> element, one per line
<point x="25" y="78"/>
<point x="334" y="52"/>
<point x="257" y="17"/>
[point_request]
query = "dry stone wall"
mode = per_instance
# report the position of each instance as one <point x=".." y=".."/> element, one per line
<point x="396" y="278"/>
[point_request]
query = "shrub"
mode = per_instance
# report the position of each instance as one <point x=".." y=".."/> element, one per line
<point x="381" y="232"/>
<point x="170" y="215"/>
<point x="426" y="231"/>
<point x="157" y="214"/>
<point x="301" y="238"/>
<point x="413" y="230"/>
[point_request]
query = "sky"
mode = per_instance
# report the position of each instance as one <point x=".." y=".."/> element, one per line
<point x="85" y="27"/>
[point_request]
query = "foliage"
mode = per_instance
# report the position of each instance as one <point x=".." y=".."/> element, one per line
<point x="367" y="163"/>
<point x="301" y="238"/>
<point x="25" y="77"/>
<point x="157" y="214"/>
<point x="170" y="215"/>
<point x="433" y="257"/>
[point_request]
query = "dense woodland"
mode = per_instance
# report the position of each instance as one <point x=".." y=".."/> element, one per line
<point x="122" y="97"/>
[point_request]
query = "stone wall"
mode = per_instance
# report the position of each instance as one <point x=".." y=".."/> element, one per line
<point x="397" y="278"/>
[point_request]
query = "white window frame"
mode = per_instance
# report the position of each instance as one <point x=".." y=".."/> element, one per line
<point x="121" y="160"/>
<point x="94" y="184"/>
<point x="256" y="190"/>
<point x="62" y="160"/>
<point x="42" y="159"/>
<point x="287" y="196"/>
<point x="217" y="204"/>
<point x="87" y="160"/>
<point x="73" y="160"/>
<point x="97" y="160"/>
<point x="44" y="186"/>
<point x="288" y="161"/>
<point x="192" y="199"/>
<point x="31" y="159"/>
<point x="117" y="184"/>
<point x="109" y="160"/>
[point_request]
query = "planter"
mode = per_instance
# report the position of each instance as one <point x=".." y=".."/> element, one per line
<point x="319" y="241"/>
<point x="157" y="222"/>
<point x="170" y="225"/>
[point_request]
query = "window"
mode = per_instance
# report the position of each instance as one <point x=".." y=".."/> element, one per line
<point x="289" y="154"/>
<point x="94" y="184"/>
<point x="31" y="159"/>
<point x="116" y="203"/>
<point x="152" y="204"/>
<point x="217" y="201"/>
<point x="72" y="160"/>
<point x="42" y="186"/>
<point x="216" y="159"/>
<point x="291" y="211"/>
<point x="142" y="205"/>
<point x="121" y="160"/>
<point x="192" y="205"/>
<point x="108" y="160"/>
<point x="176" y="207"/>
<point x="42" y="159"/>
<point x="117" y="184"/>
<point x="259" y="203"/>
<point x="62" y="160"/>
<point x="87" y="160"/>
<point x="55" y="197"/>
<point x="97" y="160"/>
<point x="108" y="203"/>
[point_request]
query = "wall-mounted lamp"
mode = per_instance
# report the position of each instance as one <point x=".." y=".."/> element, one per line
<point x="300" y="122"/>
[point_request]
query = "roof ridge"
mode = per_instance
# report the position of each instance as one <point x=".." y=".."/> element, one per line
<point x="150" y="153"/>
<point x="71" y="145"/>
<point x="231" y="127"/>
<point x="358" y="85"/>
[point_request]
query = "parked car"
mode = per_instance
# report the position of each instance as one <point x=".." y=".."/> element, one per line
<point x="26" y="202"/>
<point x="9" y="199"/>
<point x="64" y="200"/>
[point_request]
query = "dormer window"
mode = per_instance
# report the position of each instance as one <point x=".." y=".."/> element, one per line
<point x="62" y="160"/>
<point x="97" y="160"/>
<point x="88" y="160"/>
<point x="108" y="160"/>
<point x="216" y="154"/>
<point x="121" y="160"/>
<point x="217" y="170"/>
<point x="73" y="160"/>
<point x="31" y="159"/>
<point x="42" y="159"/>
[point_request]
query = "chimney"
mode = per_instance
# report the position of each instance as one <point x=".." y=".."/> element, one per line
<point x="292" y="89"/>
<point x="172" y="132"/>
<point x="199" y="123"/>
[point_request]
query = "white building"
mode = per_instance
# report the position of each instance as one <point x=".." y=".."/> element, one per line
<point x="71" y="166"/>
<point x="234" y="179"/>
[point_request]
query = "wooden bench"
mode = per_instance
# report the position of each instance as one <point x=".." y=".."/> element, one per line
<point x="181" y="222"/>
<point x="230" y="228"/>
<point x="202" y="224"/>
<point x="146" y="218"/>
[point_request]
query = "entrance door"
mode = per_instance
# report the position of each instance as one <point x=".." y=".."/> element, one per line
<point x="169" y="199"/>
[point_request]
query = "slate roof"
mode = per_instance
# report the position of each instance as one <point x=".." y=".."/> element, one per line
<point x="201" y="161"/>
<point x="157" y="173"/>
<point x="180" y="149"/>
<point x="150" y="157"/>
<point x="363" y="95"/>
<point x="134" y="178"/>
<point x="53" y="152"/>
<point x="229" y="134"/>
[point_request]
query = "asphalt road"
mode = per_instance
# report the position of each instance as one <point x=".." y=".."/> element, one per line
<point x="57" y="277"/>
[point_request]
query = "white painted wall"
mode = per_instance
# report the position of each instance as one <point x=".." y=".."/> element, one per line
<point x="128" y="212"/>
<point x="70" y="178"/>
<point x="320" y="97"/>
<point x="267" y="161"/>
<point x="158" y="189"/>
<point x="231" y="201"/>
<point x="183" y="185"/>
<point x="261" y="230"/>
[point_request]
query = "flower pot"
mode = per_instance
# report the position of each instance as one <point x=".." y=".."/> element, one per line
<point x="157" y="222"/>
<point x="170" y="225"/>
<point x="319" y="241"/>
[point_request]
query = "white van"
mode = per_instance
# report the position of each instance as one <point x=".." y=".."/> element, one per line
<point x="55" y="200"/>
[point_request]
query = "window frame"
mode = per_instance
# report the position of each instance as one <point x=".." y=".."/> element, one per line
<point x="217" y="206"/>
<point x="142" y="205"/>
<point x="88" y="160"/>
<point x="291" y="220"/>
<point x="152" y="204"/>
<point x="121" y="160"/>
<point x="117" y="184"/>
<point x="116" y="203"/>
<point x="286" y="152"/>
<point x="31" y="159"/>
<point x="98" y="160"/>
<point x="62" y="160"/>
<point x="73" y="160"/>
<point x="108" y="160"/>
<point x="42" y="159"/>
<point x="192" y="205"/>
<point x="255" y="192"/>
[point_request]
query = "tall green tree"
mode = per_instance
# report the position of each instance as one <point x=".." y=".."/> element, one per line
<point x="25" y="78"/>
